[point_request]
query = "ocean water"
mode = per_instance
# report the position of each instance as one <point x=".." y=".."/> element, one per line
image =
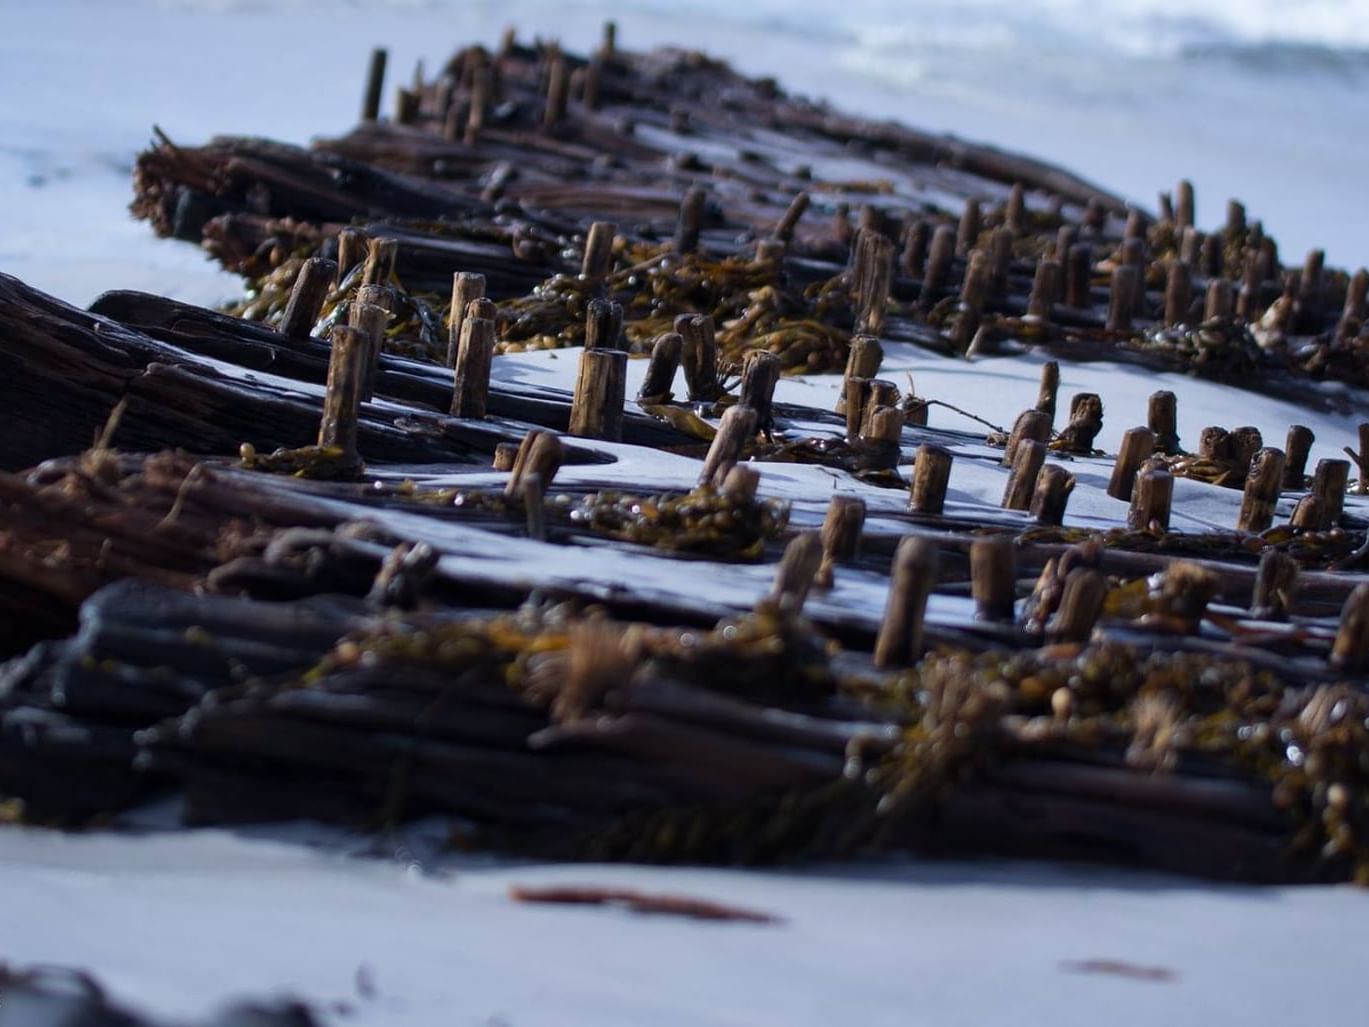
<point x="1262" y="100"/>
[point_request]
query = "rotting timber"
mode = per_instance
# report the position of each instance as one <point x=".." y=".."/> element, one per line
<point x="259" y="558"/>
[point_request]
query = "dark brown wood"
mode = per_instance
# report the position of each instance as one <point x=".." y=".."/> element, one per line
<point x="351" y="251"/>
<point x="1184" y="205"/>
<point x="1211" y="259"/>
<point x="1276" y="585"/>
<point x="1297" y="447"/>
<point x="1178" y="293"/>
<point x="841" y="530"/>
<point x="1086" y="421"/>
<point x="871" y="279"/>
<point x="598" y="256"/>
<point x="1353" y="312"/>
<point x="1048" y="390"/>
<point x="558" y="92"/>
<point x="1361" y="458"/>
<point x="1124" y="296"/>
<point x="1081" y="602"/>
<point x="1079" y="276"/>
<point x="862" y="361"/>
<point x="931" y="475"/>
<point x="534" y="493"/>
<point x="760" y="375"/>
<point x="691" y="219"/>
<point x="1137" y="446"/>
<point x="938" y="271"/>
<point x="993" y="577"/>
<point x="1328" y="483"/>
<point x="1065" y="238"/>
<point x="338" y="426"/>
<point x="596" y="410"/>
<point x="1162" y="417"/>
<point x="1045" y="288"/>
<point x="916" y="238"/>
<point x="911" y="580"/>
<point x="967" y="233"/>
<point x="741" y="483"/>
<point x="699" y="356"/>
<point x="466" y="286"/>
<point x="798" y="206"/>
<point x="1190" y="246"/>
<point x="1151" y="496"/>
<point x="1245" y="442"/>
<point x="1051" y="496"/>
<point x="540" y="453"/>
<point x="375" y="85"/>
<point x="1309" y="514"/>
<point x="1235" y="219"/>
<point x="1030" y="424"/>
<point x="380" y="261"/>
<point x="1028" y="459"/>
<point x="1000" y="260"/>
<point x="371" y="320"/>
<point x="1015" y="212"/>
<point x="505" y="454"/>
<point x="660" y="371"/>
<point x="1214" y="443"/>
<point x="1261" y="491"/>
<point x="1221" y="301"/>
<point x="315" y="278"/>
<point x="1350" y="650"/>
<point x="1135" y="228"/>
<point x="973" y="292"/>
<point x="797" y="569"/>
<point x="471" y="380"/>
<point x="603" y="325"/>
<point x="736" y="428"/>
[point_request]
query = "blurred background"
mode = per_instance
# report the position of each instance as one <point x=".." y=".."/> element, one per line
<point x="1261" y="100"/>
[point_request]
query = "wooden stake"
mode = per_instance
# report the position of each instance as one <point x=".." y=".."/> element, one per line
<point x="598" y="249"/>
<point x="1328" y="483"/>
<point x="916" y="239"/>
<point x="993" y="578"/>
<point x="1184" y="205"/>
<point x="471" y="381"/>
<point x="1178" y="293"/>
<point x="1137" y="446"/>
<point x="1162" y="417"/>
<point x="482" y="91"/>
<point x="691" y="220"/>
<point x="967" y="235"/>
<point x="760" y="373"/>
<point x="862" y="361"/>
<point x="1015" y="214"/>
<point x="784" y="231"/>
<point x="1309" y="514"/>
<point x="1214" y="444"/>
<point x="505" y="453"/>
<point x="1151" y="496"/>
<point x="1095" y="216"/>
<point x="1353" y="313"/>
<point x="533" y="490"/>
<point x="1210" y="258"/>
<point x="974" y="290"/>
<point x="872" y="276"/>
<point x="1245" y="442"/>
<point x="1350" y="650"/>
<point x="558" y="92"/>
<point x="931" y="475"/>
<point x="1135" y="229"/>
<point x="742" y="483"/>
<point x="1052" y="494"/>
<point x="1261" y="491"/>
<point x="899" y="643"/>
<point x="1220" y="304"/>
<point x="1065" y="238"/>
<point x="1276" y="584"/>
<point x="1298" y="446"/>
<point x="1235" y="219"/>
<point x="1047" y="391"/>
<point x="603" y="325"/>
<point x="540" y="453"/>
<point x="371" y="320"/>
<point x="1310" y="289"/>
<point x="596" y="410"/>
<point x="1045" y="287"/>
<point x="306" y="298"/>
<point x="1030" y="424"/>
<point x="856" y="396"/>
<point x="338" y="427"/>
<point x="351" y="251"/>
<point x="1361" y="458"/>
<point x="1027" y="463"/>
<point x="660" y="372"/>
<point x="938" y="272"/>
<point x="406" y="106"/>
<point x="699" y="356"/>
<point x="840" y="535"/>
<point x="466" y="286"/>
<point x="380" y="262"/>
<point x="375" y="85"/>
<point x="1124" y="297"/>
<point x="736" y="428"/>
<point x="1190" y="246"/>
<point x="1080" y="604"/>
<point x="1000" y="260"/>
<point x="796" y="570"/>
<point x="1133" y="253"/>
<point x="1086" y="421"/>
<point x="1079" y="277"/>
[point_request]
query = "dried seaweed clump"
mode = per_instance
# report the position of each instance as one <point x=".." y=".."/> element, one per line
<point x="706" y="520"/>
